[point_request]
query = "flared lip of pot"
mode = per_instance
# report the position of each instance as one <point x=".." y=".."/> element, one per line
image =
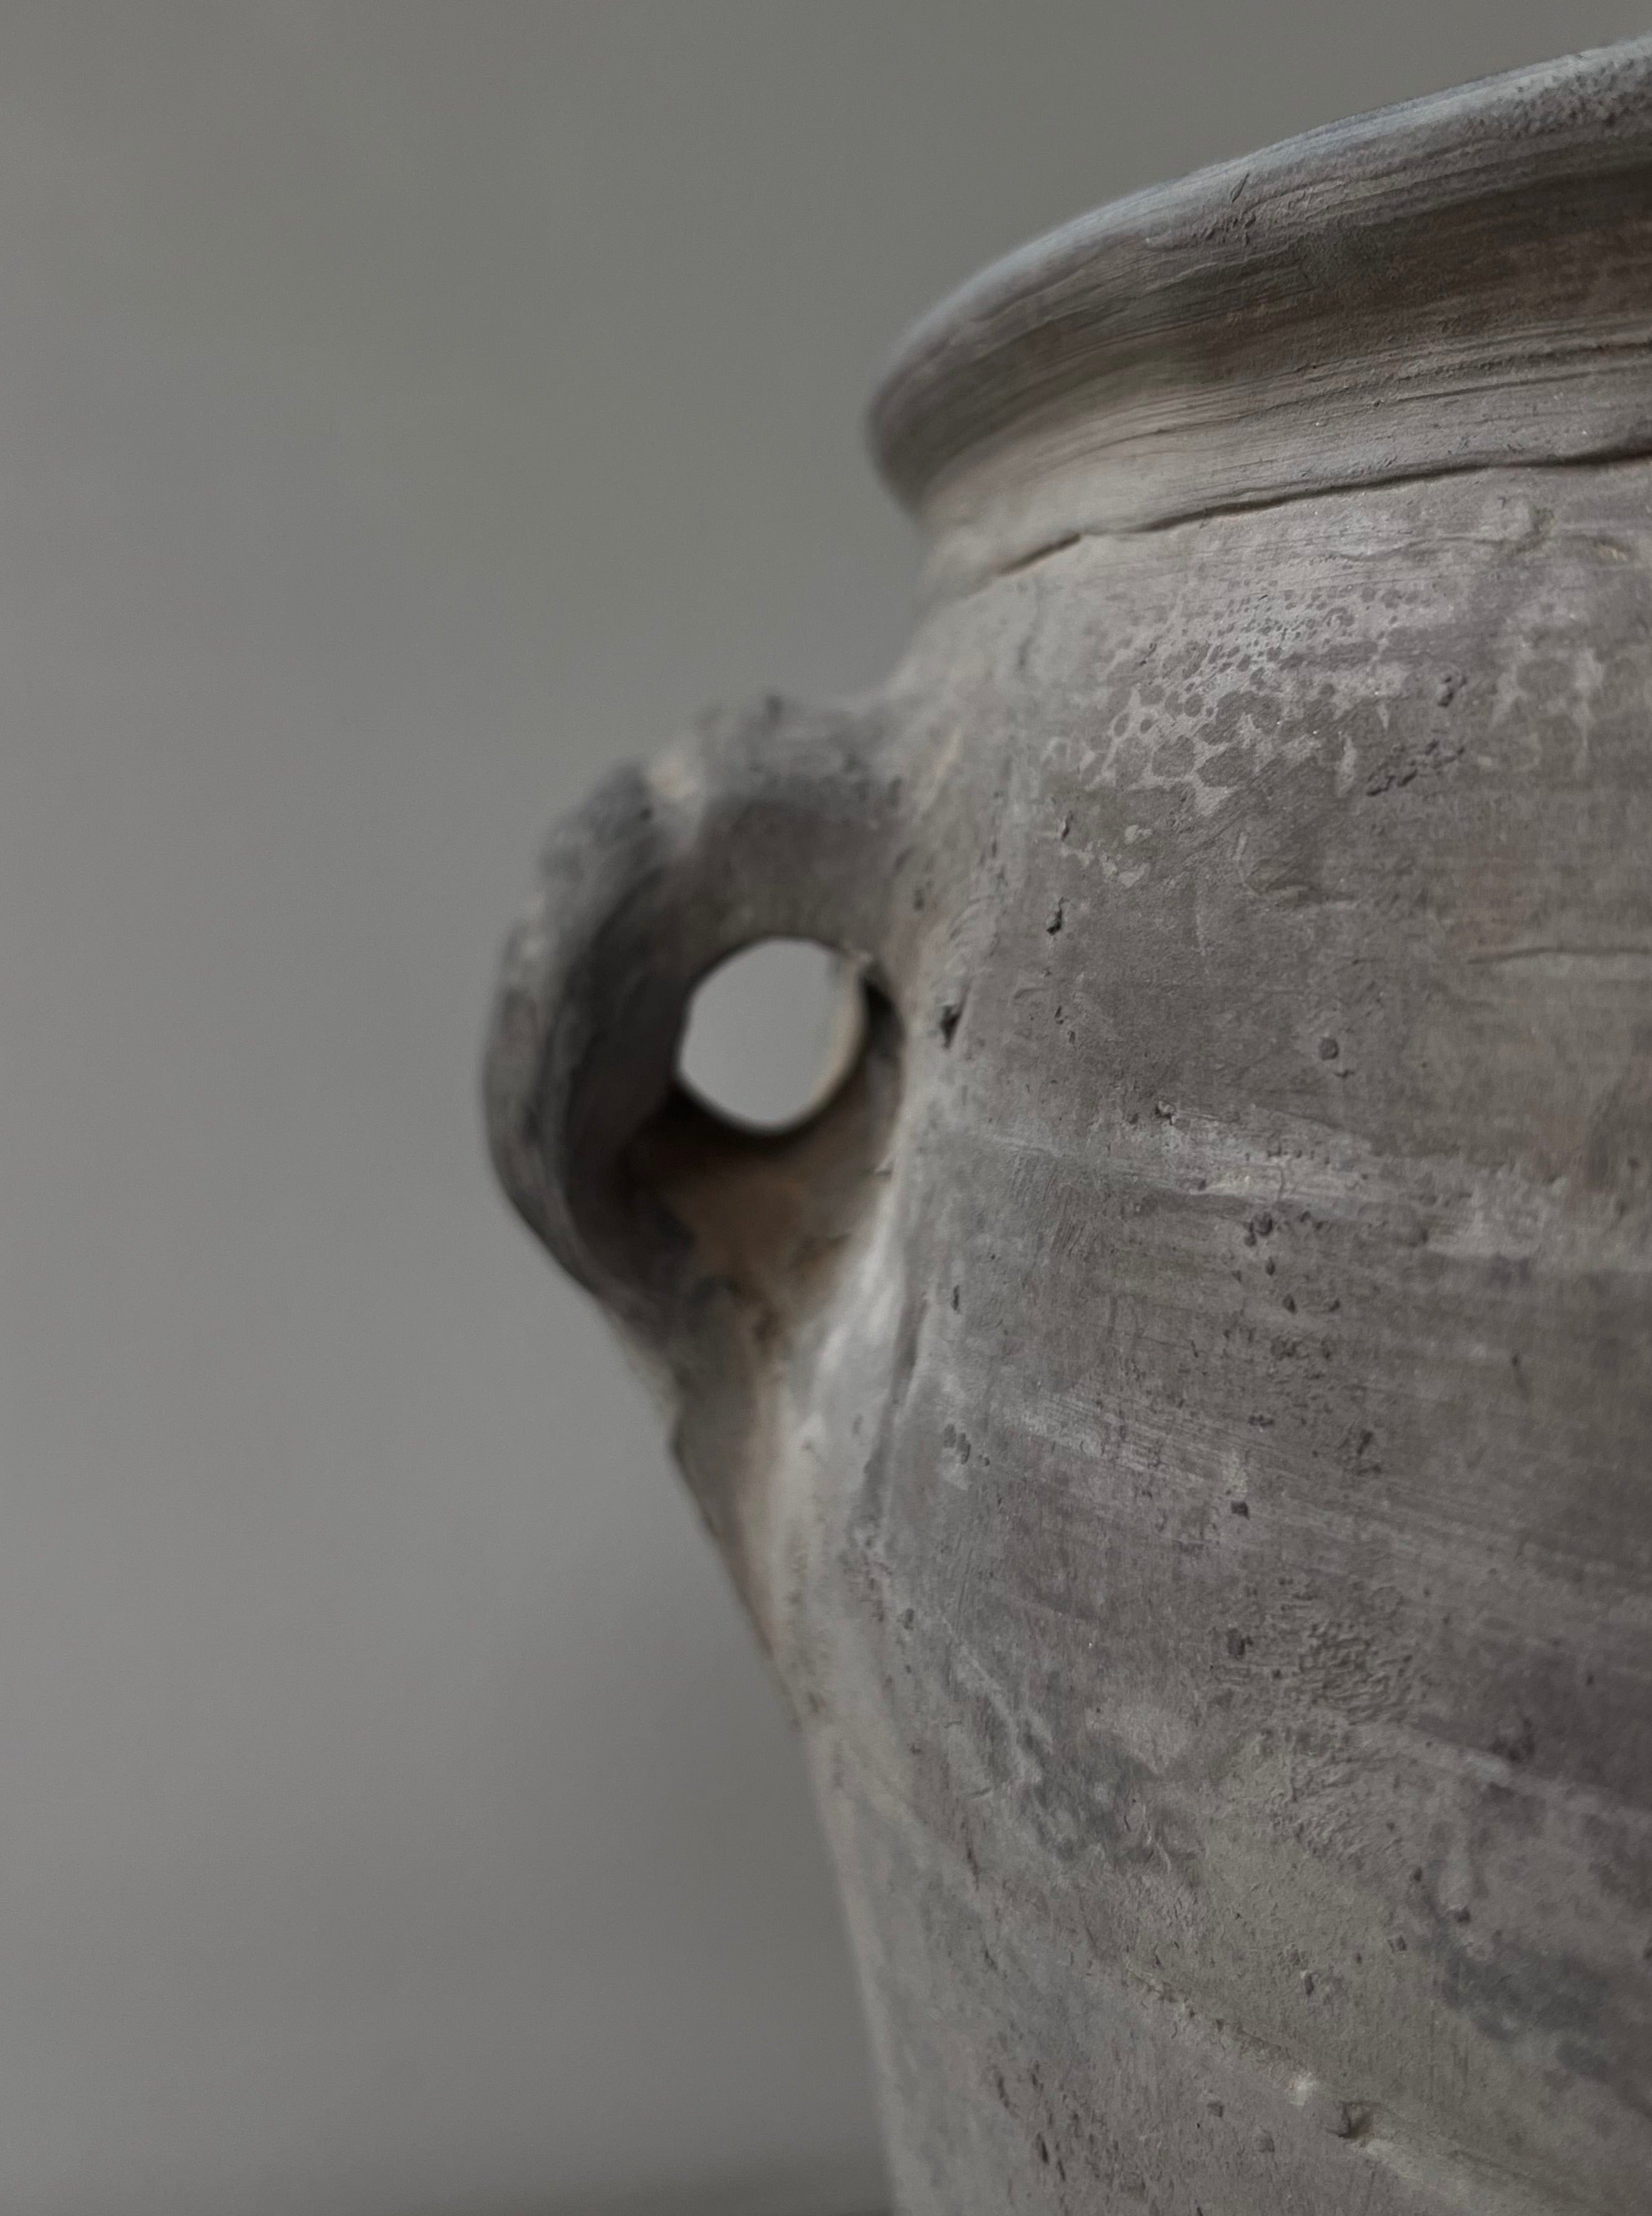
<point x="1406" y="224"/>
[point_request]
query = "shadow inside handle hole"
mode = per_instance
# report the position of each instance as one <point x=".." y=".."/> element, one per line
<point x="772" y="1144"/>
<point x="772" y="1034"/>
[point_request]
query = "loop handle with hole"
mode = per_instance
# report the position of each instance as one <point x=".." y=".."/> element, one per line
<point x="776" y="823"/>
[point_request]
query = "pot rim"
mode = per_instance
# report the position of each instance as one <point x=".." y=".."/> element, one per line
<point x="1190" y="284"/>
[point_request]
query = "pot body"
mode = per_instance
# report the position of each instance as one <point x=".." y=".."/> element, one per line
<point x="1213" y="1539"/>
<point x="1181" y="1418"/>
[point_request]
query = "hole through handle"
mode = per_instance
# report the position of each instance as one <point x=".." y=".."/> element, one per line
<point x="772" y="1033"/>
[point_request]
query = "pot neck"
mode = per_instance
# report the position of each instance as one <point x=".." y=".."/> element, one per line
<point x="1462" y="282"/>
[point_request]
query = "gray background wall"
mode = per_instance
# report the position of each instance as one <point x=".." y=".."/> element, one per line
<point x="405" y="410"/>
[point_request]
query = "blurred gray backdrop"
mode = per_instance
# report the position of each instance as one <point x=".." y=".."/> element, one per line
<point x="405" y="410"/>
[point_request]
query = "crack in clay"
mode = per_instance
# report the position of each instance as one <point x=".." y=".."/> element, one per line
<point x="1349" y="489"/>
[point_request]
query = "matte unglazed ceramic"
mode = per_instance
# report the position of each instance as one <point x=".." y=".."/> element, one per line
<point x="1180" y="1417"/>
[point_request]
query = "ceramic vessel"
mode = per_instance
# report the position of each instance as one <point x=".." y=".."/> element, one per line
<point x="1181" y="1418"/>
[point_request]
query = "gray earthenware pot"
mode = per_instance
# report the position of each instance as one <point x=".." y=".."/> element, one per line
<point x="1181" y="1418"/>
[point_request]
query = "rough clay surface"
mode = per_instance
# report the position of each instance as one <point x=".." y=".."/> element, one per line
<point x="1181" y="1421"/>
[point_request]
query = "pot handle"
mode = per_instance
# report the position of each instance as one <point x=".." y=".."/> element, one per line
<point x="771" y="823"/>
